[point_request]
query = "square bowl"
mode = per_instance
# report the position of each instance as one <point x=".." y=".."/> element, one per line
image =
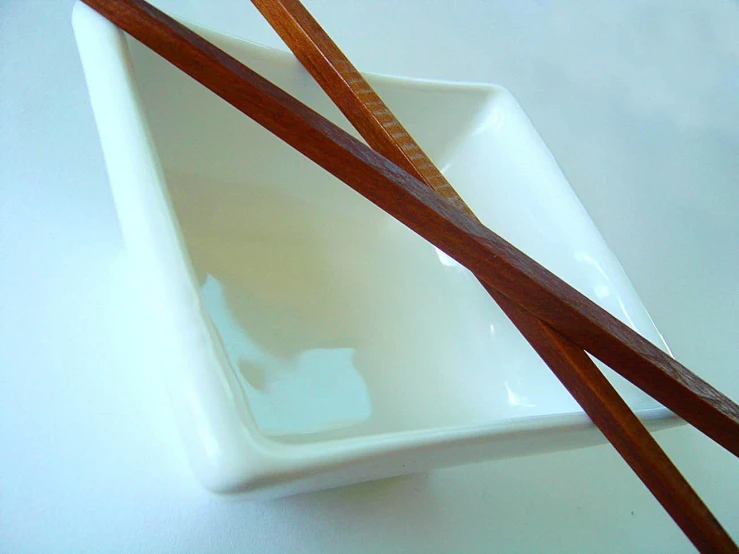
<point x="312" y="340"/>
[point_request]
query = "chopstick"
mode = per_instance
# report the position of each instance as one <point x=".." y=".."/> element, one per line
<point x="488" y="256"/>
<point x="383" y="132"/>
<point x="492" y="259"/>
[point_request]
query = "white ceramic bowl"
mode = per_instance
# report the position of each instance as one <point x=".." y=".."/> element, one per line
<point x="312" y="340"/>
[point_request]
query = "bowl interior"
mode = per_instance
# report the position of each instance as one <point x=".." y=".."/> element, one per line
<point x="336" y="320"/>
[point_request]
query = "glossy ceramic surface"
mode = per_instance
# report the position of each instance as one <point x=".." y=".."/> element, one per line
<point x="314" y="340"/>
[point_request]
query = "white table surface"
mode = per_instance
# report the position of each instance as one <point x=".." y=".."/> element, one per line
<point x="639" y="102"/>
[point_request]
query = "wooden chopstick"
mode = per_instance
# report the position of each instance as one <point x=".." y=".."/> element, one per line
<point x="380" y="128"/>
<point x="488" y="256"/>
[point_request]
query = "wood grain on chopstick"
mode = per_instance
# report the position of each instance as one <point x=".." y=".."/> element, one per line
<point x="366" y="111"/>
<point x="490" y="257"/>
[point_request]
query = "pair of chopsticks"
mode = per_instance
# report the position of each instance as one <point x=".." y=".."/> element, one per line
<point x="559" y="322"/>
